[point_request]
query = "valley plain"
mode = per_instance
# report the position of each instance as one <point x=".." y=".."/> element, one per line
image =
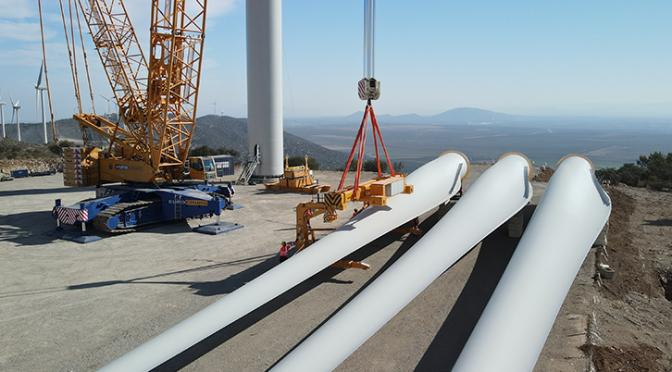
<point x="415" y="144"/>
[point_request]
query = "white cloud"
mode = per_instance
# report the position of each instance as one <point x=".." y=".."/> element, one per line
<point x="31" y="55"/>
<point x="23" y="31"/>
<point x="217" y="8"/>
<point x="17" y="9"/>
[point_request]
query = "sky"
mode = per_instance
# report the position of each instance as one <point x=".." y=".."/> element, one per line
<point x="605" y="58"/>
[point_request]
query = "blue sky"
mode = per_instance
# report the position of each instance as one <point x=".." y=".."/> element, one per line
<point x="524" y="57"/>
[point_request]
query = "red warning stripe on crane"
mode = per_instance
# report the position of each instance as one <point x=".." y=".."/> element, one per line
<point x="70" y="216"/>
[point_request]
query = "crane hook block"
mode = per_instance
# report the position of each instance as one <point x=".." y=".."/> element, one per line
<point x="368" y="89"/>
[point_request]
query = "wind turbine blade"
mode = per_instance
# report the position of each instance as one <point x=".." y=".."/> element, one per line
<point x="37" y="98"/>
<point x="497" y="195"/>
<point x="432" y="186"/>
<point x="10" y="98"/>
<point x="39" y="79"/>
<point x="513" y="327"/>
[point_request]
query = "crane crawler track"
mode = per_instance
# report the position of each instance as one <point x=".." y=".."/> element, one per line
<point x="100" y="221"/>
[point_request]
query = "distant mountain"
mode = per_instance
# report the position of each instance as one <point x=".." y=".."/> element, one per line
<point x="461" y="115"/>
<point x="211" y="130"/>
<point x="224" y="131"/>
<point x="475" y="116"/>
<point x="467" y="115"/>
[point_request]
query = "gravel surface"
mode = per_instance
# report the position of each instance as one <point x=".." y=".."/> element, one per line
<point x="71" y="307"/>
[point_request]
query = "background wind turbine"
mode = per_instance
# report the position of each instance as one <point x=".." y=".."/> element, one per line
<point x="15" y="110"/>
<point x="108" y="105"/>
<point x="39" y="95"/>
<point x="2" y="115"/>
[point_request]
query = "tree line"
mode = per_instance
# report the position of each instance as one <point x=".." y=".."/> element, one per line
<point x="654" y="171"/>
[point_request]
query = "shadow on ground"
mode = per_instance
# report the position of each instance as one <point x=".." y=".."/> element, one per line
<point x="58" y="190"/>
<point x="661" y="222"/>
<point x="493" y="257"/>
<point x="231" y="283"/>
<point x="27" y="228"/>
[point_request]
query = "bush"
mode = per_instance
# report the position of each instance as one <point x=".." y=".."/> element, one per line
<point x="353" y="165"/>
<point x="654" y="171"/>
<point x="224" y="151"/>
<point x="203" y="151"/>
<point x="608" y="174"/>
<point x="657" y="167"/>
<point x="58" y="148"/>
<point x="297" y="161"/>
<point x="372" y="166"/>
<point x="633" y="175"/>
<point x="209" y="151"/>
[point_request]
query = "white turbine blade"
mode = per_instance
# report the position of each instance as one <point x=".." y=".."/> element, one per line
<point x="39" y="78"/>
<point x="513" y="328"/>
<point x="433" y="183"/>
<point x="37" y="99"/>
<point x="10" y="98"/>
<point x="497" y="195"/>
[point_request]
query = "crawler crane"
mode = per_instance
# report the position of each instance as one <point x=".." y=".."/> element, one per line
<point x="157" y="103"/>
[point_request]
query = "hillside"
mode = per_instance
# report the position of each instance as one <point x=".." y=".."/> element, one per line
<point x="211" y="130"/>
<point x="475" y="116"/>
<point x="225" y="131"/>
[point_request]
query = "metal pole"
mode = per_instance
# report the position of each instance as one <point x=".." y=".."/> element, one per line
<point x="18" y="125"/>
<point x="58" y="222"/>
<point x="2" y="117"/>
<point x="44" y="120"/>
<point x="81" y="206"/>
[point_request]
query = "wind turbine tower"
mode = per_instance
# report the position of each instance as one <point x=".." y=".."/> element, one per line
<point x="2" y="115"/>
<point x="264" y="85"/>
<point x="108" y="106"/>
<point x="39" y="94"/>
<point x="15" y="111"/>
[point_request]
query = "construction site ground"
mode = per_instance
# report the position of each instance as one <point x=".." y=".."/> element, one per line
<point x="66" y="306"/>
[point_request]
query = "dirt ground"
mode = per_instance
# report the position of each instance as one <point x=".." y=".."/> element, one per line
<point x="631" y="325"/>
<point x="71" y="307"/>
<point x="544" y="174"/>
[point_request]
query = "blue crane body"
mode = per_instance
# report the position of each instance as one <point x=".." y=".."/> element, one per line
<point x="122" y="208"/>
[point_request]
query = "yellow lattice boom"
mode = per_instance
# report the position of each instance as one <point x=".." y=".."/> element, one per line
<point x="156" y="96"/>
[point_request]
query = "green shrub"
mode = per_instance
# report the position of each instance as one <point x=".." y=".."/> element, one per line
<point x="224" y="151"/>
<point x="372" y="166"/>
<point x="297" y="161"/>
<point x="56" y="149"/>
<point x="206" y="150"/>
<point x="608" y="174"/>
<point x="654" y="171"/>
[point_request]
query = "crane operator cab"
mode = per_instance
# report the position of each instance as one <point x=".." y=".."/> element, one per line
<point x="201" y="168"/>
